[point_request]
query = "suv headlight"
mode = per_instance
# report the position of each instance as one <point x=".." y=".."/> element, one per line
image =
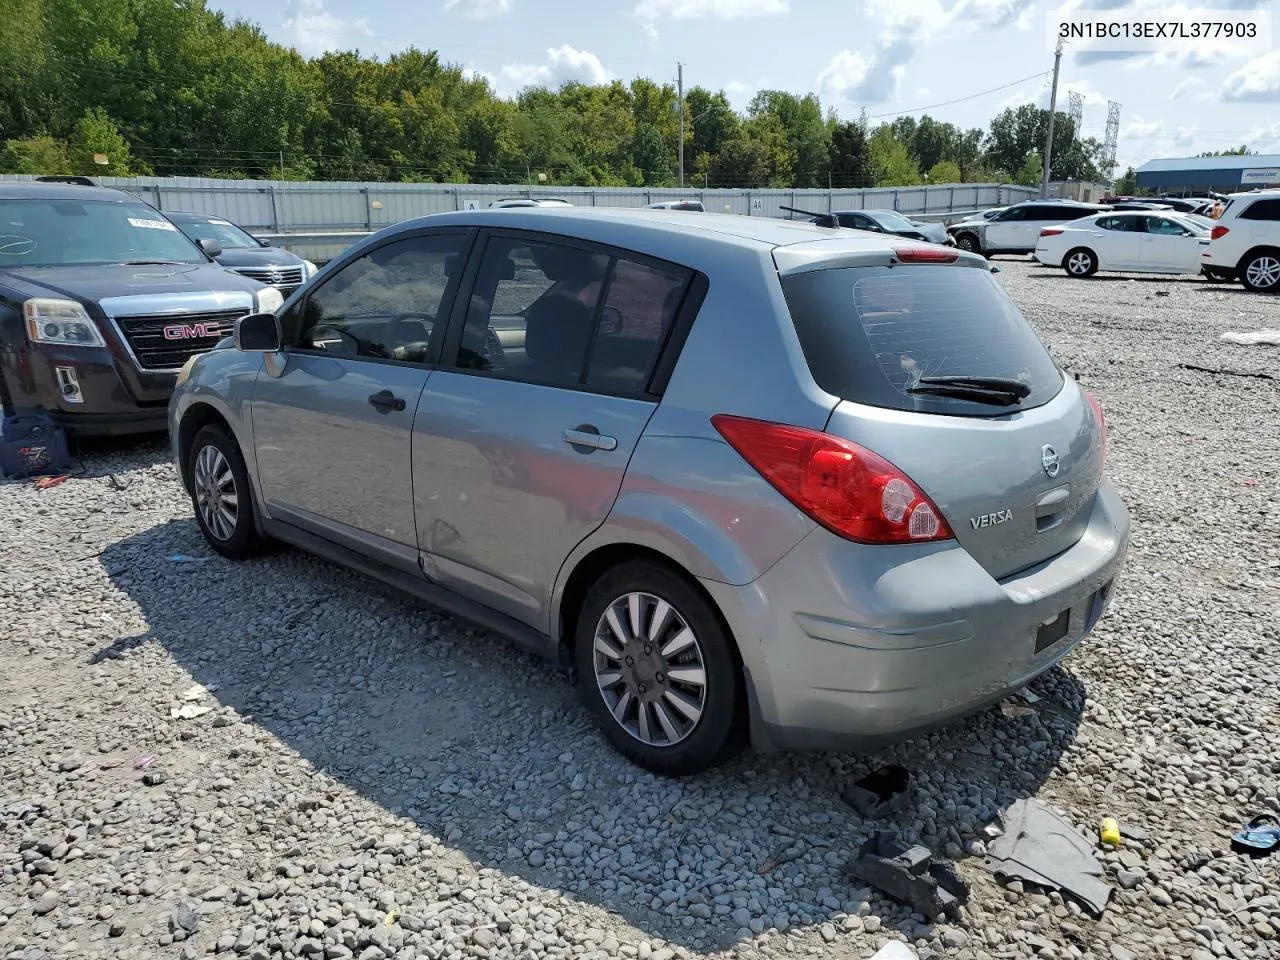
<point x="268" y="299"/>
<point x="309" y="269"/>
<point x="63" y="322"/>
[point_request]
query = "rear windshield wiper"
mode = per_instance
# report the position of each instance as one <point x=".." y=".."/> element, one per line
<point x="997" y="391"/>
<point x="154" y="263"/>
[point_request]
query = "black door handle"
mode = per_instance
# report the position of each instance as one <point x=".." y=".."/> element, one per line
<point x="385" y="401"/>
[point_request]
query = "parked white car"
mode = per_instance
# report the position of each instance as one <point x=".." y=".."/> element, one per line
<point x="1132" y="242"/>
<point x="1015" y="228"/>
<point x="1245" y="242"/>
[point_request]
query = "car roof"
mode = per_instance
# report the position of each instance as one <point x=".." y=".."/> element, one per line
<point x="35" y="190"/>
<point x="187" y="216"/>
<point x="621" y="226"/>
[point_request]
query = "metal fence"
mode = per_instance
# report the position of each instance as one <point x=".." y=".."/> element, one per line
<point x="289" y="207"/>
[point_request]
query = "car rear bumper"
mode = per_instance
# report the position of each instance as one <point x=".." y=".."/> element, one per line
<point x="110" y="396"/>
<point x="1047" y="258"/>
<point x="849" y="647"/>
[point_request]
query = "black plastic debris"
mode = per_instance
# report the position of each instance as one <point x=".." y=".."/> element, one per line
<point x="880" y="793"/>
<point x="1041" y="848"/>
<point x="910" y="875"/>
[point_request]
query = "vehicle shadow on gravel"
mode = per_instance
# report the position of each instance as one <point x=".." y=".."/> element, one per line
<point x="489" y="751"/>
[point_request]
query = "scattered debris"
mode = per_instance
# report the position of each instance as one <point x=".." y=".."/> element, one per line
<point x="189" y="711"/>
<point x="1012" y="708"/>
<point x="1109" y="831"/>
<point x="1254" y="338"/>
<point x="1040" y="847"/>
<point x="153" y="778"/>
<point x="44" y="483"/>
<point x="391" y="917"/>
<point x="1259" y="837"/>
<point x="193" y="693"/>
<point x="789" y="849"/>
<point x="911" y="876"/>
<point x="880" y="793"/>
<point x="1250" y="481"/>
<point x="144" y="762"/>
<point x="1228" y="373"/>
<point x="183" y="558"/>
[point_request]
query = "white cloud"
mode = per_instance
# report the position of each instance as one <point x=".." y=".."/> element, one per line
<point x="479" y="9"/>
<point x="740" y="93"/>
<point x="564" y="64"/>
<point x="1189" y="90"/>
<point x="473" y="72"/>
<point x="994" y="13"/>
<point x="922" y="93"/>
<point x="651" y="10"/>
<point x="1258" y="81"/>
<point x="857" y="78"/>
<point x="312" y="30"/>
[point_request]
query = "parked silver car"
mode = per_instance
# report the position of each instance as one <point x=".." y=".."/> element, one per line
<point x="752" y="477"/>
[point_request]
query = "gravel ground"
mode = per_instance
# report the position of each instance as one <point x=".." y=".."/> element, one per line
<point x="336" y="772"/>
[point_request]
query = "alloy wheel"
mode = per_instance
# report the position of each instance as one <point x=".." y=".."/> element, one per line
<point x="1079" y="263"/>
<point x="1263" y="272"/>
<point x="650" y="668"/>
<point x="216" y="496"/>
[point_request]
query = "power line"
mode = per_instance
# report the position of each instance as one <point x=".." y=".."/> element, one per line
<point x="972" y="96"/>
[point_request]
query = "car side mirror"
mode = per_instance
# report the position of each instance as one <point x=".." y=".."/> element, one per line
<point x="263" y="242"/>
<point x="211" y="247"/>
<point x="258" y="333"/>
<point x="995" y="269"/>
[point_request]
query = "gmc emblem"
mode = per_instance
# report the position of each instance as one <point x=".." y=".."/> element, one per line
<point x="192" y="331"/>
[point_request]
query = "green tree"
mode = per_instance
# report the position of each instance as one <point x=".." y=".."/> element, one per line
<point x="808" y="138"/>
<point x="851" y="155"/>
<point x="1031" y="172"/>
<point x="1240" y="151"/>
<point x="95" y="135"/>
<point x="891" y="162"/>
<point x="945" y="171"/>
<point x="1127" y="185"/>
<point x="40" y="154"/>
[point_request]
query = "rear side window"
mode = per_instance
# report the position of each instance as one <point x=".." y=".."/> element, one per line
<point x="1262" y="210"/>
<point x="869" y="334"/>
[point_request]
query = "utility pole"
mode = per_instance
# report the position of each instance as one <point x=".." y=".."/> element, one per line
<point x="680" y="93"/>
<point x="1053" y="107"/>
<point x="282" y="165"/>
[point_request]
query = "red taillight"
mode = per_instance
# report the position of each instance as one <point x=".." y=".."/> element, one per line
<point x="926" y="255"/>
<point x="1218" y="232"/>
<point x="848" y="489"/>
<point x="1096" y="407"/>
<point x="1050" y="231"/>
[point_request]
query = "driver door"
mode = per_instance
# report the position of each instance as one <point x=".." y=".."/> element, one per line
<point x="1008" y="231"/>
<point x="332" y="431"/>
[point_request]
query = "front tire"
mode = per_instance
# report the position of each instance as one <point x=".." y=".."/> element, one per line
<point x="1080" y="263"/>
<point x="969" y="243"/>
<point x="658" y="670"/>
<point x="220" y="493"/>
<point x="1260" y="272"/>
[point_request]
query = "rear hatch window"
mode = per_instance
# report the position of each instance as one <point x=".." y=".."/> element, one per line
<point x="899" y="337"/>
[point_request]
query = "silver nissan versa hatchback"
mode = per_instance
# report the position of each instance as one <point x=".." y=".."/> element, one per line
<point x="755" y="479"/>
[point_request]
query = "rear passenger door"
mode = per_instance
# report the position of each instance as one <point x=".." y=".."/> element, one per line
<point x="519" y="450"/>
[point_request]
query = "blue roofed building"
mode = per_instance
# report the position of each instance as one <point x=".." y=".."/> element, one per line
<point x="1195" y="176"/>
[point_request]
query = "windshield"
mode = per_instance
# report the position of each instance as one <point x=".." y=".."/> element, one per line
<point x="892" y="221"/>
<point x="228" y="235"/>
<point x="54" y="233"/>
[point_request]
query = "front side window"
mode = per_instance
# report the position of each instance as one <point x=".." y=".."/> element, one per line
<point x="55" y="233"/>
<point x="1013" y="213"/>
<point x="1166" y="228"/>
<point x="565" y="316"/>
<point x="384" y="305"/>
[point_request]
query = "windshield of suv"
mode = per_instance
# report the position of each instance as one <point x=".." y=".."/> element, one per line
<point x="874" y="335"/>
<point x="228" y="235"/>
<point x="54" y="233"/>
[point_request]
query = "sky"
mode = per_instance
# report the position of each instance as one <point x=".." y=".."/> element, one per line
<point x="966" y="60"/>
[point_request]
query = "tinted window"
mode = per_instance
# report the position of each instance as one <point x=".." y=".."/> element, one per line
<point x="1013" y="213"/>
<point x="565" y="316"/>
<point x="533" y="311"/>
<point x="870" y="333"/>
<point x="228" y="235"/>
<point x="383" y="305"/>
<point x="1262" y="210"/>
<point x="852" y="220"/>
<point x="639" y="308"/>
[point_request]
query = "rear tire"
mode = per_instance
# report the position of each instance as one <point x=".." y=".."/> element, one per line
<point x="1080" y="263"/>
<point x="658" y="670"/>
<point x="1260" y="272"/>
<point x="221" y="495"/>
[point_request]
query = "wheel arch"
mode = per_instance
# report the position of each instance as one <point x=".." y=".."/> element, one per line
<point x="198" y="415"/>
<point x="1256" y="249"/>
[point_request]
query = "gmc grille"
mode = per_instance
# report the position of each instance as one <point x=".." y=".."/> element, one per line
<point x="168" y="341"/>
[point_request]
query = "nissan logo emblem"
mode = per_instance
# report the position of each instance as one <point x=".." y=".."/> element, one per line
<point x="1049" y="460"/>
